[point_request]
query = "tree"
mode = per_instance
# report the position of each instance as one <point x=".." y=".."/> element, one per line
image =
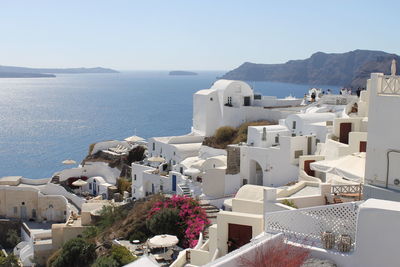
<point x="9" y="261"/>
<point x="75" y="252"/>
<point x="105" y="261"/>
<point x="166" y="221"/>
<point x="12" y="238"/>
<point x="122" y="255"/>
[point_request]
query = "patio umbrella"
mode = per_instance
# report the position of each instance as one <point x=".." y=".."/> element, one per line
<point x="163" y="241"/>
<point x="156" y="159"/>
<point x="69" y="162"/>
<point x="79" y="183"/>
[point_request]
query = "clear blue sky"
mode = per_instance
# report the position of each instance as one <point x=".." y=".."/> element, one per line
<point x="189" y="34"/>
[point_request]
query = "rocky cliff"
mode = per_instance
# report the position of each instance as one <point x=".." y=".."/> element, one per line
<point x="341" y="69"/>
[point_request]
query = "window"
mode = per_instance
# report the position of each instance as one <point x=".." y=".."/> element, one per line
<point x="244" y="181"/>
<point x="154" y="146"/>
<point x="211" y="99"/>
<point x="257" y="97"/>
<point x="277" y="139"/>
<point x="181" y="170"/>
<point x="50" y="206"/>
<point x="298" y="153"/>
<point x="134" y="177"/>
<point x="161" y="187"/>
<point x="329" y="123"/>
<point x="174" y="153"/>
<point x="294" y="125"/>
<point x="23" y="203"/>
<point x="90" y="186"/>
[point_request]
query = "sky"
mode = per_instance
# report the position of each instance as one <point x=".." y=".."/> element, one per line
<point x="189" y="34"/>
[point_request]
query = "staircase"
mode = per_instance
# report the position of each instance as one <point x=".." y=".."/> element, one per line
<point x="211" y="212"/>
<point x="186" y="190"/>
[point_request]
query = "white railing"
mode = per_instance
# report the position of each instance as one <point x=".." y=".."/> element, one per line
<point x="306" y="225"/>
<point x="390" y="85"/>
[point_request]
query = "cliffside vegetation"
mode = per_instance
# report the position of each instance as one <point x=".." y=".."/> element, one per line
<point x="227" y="135"/>
<point x="181" y="216"/>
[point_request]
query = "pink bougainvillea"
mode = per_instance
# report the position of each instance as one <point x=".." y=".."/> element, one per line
<point x="193" y="216"/>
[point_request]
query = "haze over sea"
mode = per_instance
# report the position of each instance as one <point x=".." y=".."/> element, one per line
<point x="47" y="120"/>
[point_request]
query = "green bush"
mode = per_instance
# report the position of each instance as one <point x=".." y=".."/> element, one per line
<point x="75" y="252"/>
<point x="90" y="232"/>
<point x="166" y="221"/>
<point x="124" y="184"/>
<point x="12" y="238"/>
<point x="225" y="134"/>
<point x="109" y="215"/>
<point x="105" y="261"/>
<point x="289" y="203"/>
<point x="122" y="255"/>
<point x="9" y="261"/>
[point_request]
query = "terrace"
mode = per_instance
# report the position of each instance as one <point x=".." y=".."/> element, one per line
<point x="306" y="226"/>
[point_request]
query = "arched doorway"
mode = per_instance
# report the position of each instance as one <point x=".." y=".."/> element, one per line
<point x="256" y="173"/>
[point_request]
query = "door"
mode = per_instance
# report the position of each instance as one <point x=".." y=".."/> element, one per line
<point x="345" y="129"/>
<point x="309" y="145"/>
<point x="307" y="167"/>
<point x="238" y="235"/>
<point x="246" y="101"/>
<point x="152" y="188"/>
<point x="23" y="213"/>
<point x="174" y="183"/>
<point x="363" y="146"/>
<point x="94" y="187"/>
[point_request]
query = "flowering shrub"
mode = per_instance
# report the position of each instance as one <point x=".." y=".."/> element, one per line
<point x="276" y="254"/>
<point x="192" y="218"/>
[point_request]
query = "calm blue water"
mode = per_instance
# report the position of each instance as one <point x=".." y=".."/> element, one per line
<point x="45" y="121"/>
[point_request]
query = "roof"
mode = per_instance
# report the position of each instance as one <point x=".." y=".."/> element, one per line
<point x="314" y="117"/>
<point x="251" y="192"/>
<point x="270" y="128"/>
<point x="134" y="138"/>
<point x="205" y="92"/>
<point x="380" y="204"/>
<point x="144" y="261"/>
<point x="10" y="180"/>
<point x="187" y="147"/>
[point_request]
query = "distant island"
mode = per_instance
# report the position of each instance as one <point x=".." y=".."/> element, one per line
<point x="350" y="69"/>
<point x="181" y="72"/>
<point x="22" y="72"/>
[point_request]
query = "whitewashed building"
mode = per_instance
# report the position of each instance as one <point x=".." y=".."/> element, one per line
<point x="231" y="103"/>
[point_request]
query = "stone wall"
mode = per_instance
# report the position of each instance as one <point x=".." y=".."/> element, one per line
<point x="233" y="160"/>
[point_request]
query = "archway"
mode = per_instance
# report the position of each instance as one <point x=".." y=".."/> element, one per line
<point x="256" y="173"/>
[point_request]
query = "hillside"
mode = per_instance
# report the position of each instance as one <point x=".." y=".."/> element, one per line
<point x="340" y="69"/>
<point x="22" y="72"/>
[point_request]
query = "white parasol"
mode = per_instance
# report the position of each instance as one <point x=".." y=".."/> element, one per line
<point x="69" y="162"/>
<point x="163" y="241"/>
<point x="156" y="159"/>
<point x="79" y="183"/>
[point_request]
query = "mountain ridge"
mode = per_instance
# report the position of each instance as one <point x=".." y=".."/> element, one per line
<point x="350" y="69"/>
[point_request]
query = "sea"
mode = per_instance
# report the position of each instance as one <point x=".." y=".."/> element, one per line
<point x="44" y="121"/>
